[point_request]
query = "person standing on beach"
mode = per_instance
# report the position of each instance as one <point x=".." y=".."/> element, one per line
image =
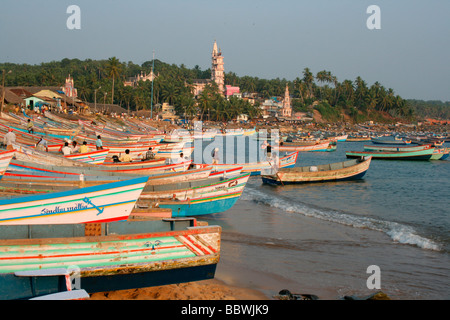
<point x="215" y="156"/>
<point x="9" y="139"/>
<point x="99" y="143"/>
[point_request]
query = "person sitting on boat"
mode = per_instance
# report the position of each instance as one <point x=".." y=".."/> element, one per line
<point x="179" y="159"/>
<point x="66" y="150"/>
<point x="215" y="156"/>
<point x="126" y="157"/>
<point x="99" y="143"/>
<point x="84" y="148"/>
<point x="42" y="145"/>
<point x="9" y="139"/>
<point x="30" y="126"/>
<point x="74" y="147"/>
<point x="115" y="158"/>
<point x="149" y="155"/>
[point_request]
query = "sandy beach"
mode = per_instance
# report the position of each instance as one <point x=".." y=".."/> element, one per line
<point x="200" y="290"/>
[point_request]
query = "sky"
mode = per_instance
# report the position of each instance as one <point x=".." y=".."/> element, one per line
<point x="410" y="53"/>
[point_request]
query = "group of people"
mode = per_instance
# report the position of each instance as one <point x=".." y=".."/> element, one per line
<point x="71" y="148"/>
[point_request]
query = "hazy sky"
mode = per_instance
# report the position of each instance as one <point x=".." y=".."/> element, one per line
<point x="265" y="39"/>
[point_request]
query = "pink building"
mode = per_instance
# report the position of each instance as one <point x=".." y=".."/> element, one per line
<point x="230" y="90"/>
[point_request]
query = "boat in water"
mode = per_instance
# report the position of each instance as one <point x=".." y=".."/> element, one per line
<point x="340" y="171"/>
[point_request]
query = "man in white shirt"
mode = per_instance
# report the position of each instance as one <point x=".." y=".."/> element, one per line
<point x="9" y="139"/>
<point x="66" y="150"/>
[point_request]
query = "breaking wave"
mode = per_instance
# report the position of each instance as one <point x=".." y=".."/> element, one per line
<point x="397" y="232"/>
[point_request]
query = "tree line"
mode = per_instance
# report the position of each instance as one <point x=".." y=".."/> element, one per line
<point x="103" y="80"/>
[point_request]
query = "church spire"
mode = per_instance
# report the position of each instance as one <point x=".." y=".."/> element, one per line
<point x="215" y="51"/>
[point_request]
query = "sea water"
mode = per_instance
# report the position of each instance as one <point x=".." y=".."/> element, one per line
<point x="321" y="238"/>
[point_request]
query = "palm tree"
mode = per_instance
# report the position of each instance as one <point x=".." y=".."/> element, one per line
<point x="113" y="70"/>
<point x="308" y="79"/>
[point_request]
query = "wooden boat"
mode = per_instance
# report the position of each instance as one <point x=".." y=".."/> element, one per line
<point x="209" y="203"/>
<point x="446" y="153"/>
<point x="35" y="174"/>
<point x="38" y="262"/>
<point x="287" y="147"/>
<point x="102" y="203"/>
<point x="256" y="168"/>
<point x="424" y="154"/>
<point x="395" y="148"/>
<point x="93" y="157"/>
<point x="390" y="141"/>
<point x="440" y="154"/>
<point x="43" y="158"/>
<point x="339" y="171"/>
<point x="193" y="189"/>
<point x="5" y="160"/>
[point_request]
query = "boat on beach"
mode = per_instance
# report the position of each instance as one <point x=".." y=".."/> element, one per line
<point x="217" y="199"/>
<point x="93" y="157"/>
<point x="102" y="203"/>
<point x="71" y="261"/>
<point x="255" y="168"/>
<point x="340" y="171"/>
<point x="5" y="160"/>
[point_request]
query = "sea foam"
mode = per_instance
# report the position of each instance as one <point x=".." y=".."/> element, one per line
<point x="397" y="232"/>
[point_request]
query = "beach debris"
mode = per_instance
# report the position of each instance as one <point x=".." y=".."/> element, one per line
<point x="287" y="295"/>
<point x="379" y="295"/>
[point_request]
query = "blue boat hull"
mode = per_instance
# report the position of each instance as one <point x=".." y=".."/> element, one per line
<point x="15" y="288"/>
<point x="202" y="208"/>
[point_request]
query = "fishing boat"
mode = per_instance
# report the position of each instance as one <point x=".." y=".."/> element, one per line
<point x="5" y="160"/>
<point x="101" y="203"/>
<point x="93" y="157"/>
<point x="340" y="171"/>
<point x="25" y="173"/>
<point x="390" y="141"/>
<point x="255" y="168"/>
<point x="446" y="153"/>
<point x="440" y="154"/>
<point x="47" y="159"/>
<point x="395" y="148"/>
<point x="193" y="189"/>
<point x="72" y="261"/>
<point x="288" y="147"/>
<point x="215" y="201"/>
<point x="424" y="154"/>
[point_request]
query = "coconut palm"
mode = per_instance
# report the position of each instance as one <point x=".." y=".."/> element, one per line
<point x="113" y="70"/>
